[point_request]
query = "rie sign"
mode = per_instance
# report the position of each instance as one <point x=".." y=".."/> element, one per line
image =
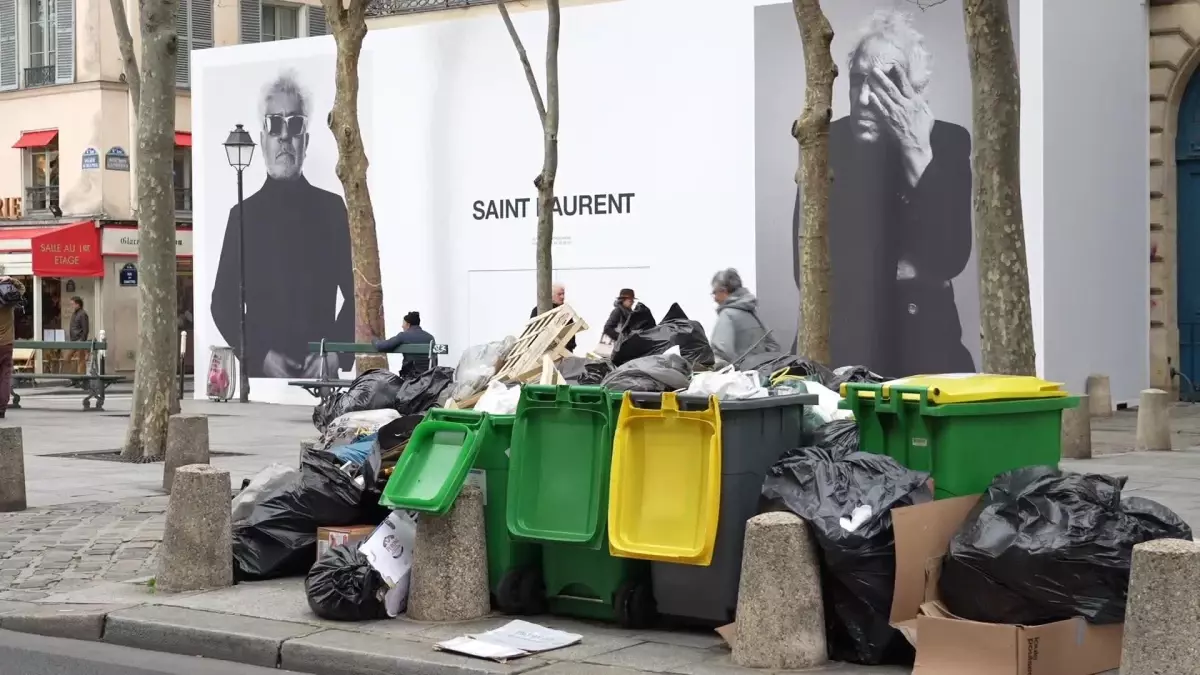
<point x="68" y="251"/>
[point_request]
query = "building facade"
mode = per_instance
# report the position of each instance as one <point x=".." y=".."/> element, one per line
<point x="68" y="151"/>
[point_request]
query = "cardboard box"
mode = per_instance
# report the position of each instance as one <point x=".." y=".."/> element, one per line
<point x="328" y="537"/>
<point x="947" y="645"/>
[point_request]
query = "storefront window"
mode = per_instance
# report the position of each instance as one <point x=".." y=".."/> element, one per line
<point x="51" y="307"/>
<point x="23" y="319"/>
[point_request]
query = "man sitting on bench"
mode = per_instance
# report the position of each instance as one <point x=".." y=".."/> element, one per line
<point x="9" y="301"/>
<point x="412" y="334"/>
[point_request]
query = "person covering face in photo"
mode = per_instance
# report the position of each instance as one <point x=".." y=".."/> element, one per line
<point x="299" y="280"/>
<point x="899" y="211"/>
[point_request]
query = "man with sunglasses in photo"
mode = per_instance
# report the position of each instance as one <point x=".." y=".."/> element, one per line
<point x="299" y="280"/>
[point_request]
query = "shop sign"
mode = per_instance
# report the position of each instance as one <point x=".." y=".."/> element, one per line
<point x="91" y="159"/>
<point x="116" y="159"/>
<point x="124" y="241"/>
<point x="10" y="208"/>
<point x="129" y="274"/>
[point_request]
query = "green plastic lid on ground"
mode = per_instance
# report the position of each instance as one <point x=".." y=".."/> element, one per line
<point x="558" y="476"/>
<point x="433" y="468"/>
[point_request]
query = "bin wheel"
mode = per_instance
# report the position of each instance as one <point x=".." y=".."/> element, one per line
<point x="508" y="593"/>
<point x="532" y="592"/>
<point x="635" y="605"/>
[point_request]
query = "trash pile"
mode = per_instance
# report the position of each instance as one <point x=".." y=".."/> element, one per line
<point x="920" y="512"/>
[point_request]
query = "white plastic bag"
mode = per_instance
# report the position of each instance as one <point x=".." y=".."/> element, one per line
<point x="499" y="399"/>
<point x="389" y="549"/>
<point x="477" y="365"/>
<point x="728" y="385"/>
<point x="827" y="403"/>
<point x="265" y="483"/>
<point x="355" y="425"/>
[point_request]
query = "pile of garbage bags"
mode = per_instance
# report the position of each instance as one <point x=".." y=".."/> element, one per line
<point x="275" y="519"/>
<point x="1045" y="545"/>
<point x="383" y="390"/>
<point x="676" y="329"/>
<point x="846" y="496"/>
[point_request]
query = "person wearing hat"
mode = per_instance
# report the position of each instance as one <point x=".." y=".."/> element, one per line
<point x="413" y="334"/>
<point x="627" y="316"/>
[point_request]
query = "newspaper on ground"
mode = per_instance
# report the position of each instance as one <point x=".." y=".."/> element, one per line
<point x="513" y="640"/>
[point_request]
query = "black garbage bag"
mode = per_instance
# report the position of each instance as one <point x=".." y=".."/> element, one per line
<point x="580" y="370"/>
<point x="858" y="569"/>
<point x="853" y="374"/>
<point x="675" y="329"/>
<point x="279" y="537"/>
<point x="373" y="390"/>
<point x="839" y="437"/>
<point x="771" y="363"/>
<point x="595" y="372"/>
<point x="421" y="393"/>
<point x="659" y="372"/>
<point x="1044" y="545"/>
<point x="342" y="586"/>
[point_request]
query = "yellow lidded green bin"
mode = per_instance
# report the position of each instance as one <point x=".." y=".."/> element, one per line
<point x="961" y="429"/>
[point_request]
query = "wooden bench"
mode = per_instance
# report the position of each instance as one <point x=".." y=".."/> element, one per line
<point x="327" y="384"/>
<point x="94" y="382"/>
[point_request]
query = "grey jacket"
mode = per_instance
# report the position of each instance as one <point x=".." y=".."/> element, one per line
<point x="81" y="326"/>
<point x="738" y="328"/>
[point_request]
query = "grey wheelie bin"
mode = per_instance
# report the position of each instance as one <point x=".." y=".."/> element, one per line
<point x="754" y="434"/>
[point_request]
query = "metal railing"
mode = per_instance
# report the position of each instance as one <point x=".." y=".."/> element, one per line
<point x="41" y="198"/>
<point x="40" y="76"/>
<point x="390" y="7"/>
<point x="183" y="199"/>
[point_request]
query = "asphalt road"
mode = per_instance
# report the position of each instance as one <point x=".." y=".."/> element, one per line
<point x="25" y="654"/>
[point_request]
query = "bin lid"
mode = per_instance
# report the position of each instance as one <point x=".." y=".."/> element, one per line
<point x="434" y="466"/>
<point x="974" y="387"/>
<point x="665" y="489"/>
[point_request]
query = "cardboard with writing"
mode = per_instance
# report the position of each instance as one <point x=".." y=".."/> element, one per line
<point x="948" y="645"/>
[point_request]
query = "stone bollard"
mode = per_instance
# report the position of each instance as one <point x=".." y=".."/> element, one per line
<point x="12" y="470"/>
<point x="1077" y="431"/>
<point x="197" y="547"/>
<point x="1099" y="396"/>
<point x="1163" y="610"/>
<point x="187" y="443"/>
<point x="449" y="568"/>
<point x="780" y="614"/>
<point x="1154" y="421"/>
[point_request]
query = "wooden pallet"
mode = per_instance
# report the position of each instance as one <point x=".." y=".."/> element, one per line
<point x="544" y="334"/>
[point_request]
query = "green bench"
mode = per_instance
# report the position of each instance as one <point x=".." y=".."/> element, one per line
<point x="95" y="383"/>
<point x="328" y="384"/>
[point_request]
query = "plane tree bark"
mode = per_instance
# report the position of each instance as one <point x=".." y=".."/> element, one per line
<point x="1006" y="321"/>
<point x="154" y="392"/>
<point x="811" y="132"/>
<point x="547" y="109"/>
<point x="348" y="21"/>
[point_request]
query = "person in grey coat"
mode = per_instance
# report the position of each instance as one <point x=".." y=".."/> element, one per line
<point x="738" y="331"/>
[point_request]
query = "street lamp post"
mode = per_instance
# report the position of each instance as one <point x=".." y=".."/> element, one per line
<point x="239" y="149"/>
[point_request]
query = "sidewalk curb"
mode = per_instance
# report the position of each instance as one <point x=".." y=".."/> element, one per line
<point x="231" y="637"/>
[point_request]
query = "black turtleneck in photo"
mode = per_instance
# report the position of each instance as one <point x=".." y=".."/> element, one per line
<point x="297" y="258"/>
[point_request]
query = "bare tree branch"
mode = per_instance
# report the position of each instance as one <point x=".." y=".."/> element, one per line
<point x="533" y="85"/>
<point x="811" y="132"/>
<point x="926" y="4"/>
<point x="129" y="63"/>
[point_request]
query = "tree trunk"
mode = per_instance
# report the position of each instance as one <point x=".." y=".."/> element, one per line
<point x="154" y="383"/>
<point x="1006" y="322"/>
<point x="129" y="62"/>
<point x="349" y="23"/>
<point x="548" y="115"/>
<point x="811" y="132"/>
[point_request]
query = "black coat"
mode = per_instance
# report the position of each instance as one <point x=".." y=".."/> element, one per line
<point x="896" y="326"/>
<point x="297" y="257"/>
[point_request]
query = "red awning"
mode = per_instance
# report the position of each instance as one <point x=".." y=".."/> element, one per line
<point x="183" y="139"/>
<point x="10" y="233"/>
<point x="69" y="251"/>
<point x="36" y="139"/>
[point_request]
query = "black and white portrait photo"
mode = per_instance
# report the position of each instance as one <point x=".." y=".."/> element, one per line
<point x="904" y="287"/>
<point x="299" y="280"/>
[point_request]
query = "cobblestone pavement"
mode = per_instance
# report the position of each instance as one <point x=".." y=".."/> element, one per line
<point x="64" y="547"/>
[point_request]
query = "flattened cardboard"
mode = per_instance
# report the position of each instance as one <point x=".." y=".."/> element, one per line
<point x="948" y="645"/>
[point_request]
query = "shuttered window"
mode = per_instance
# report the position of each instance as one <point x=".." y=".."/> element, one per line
<point x="194" y="30"/>
<point x="10" y="75"/>
<point x="249" y="21"/>
<point x="64" y="37"/>
<point x="317" y="24"/>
